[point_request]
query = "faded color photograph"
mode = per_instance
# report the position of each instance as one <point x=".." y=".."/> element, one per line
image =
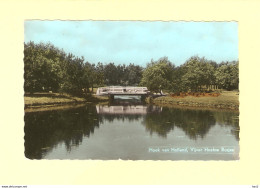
<point x="131" y="90"/>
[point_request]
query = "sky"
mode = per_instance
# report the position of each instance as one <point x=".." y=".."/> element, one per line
<point x="124" y="42"/>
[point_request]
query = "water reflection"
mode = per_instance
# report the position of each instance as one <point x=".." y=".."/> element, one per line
<point x="127" y="100"/>
<point x="128" y="110"/>
<point x="47" y="131"/>
<point x="195" y="123"/>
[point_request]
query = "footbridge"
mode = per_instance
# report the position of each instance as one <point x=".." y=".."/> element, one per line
<point x="111" y="91"/>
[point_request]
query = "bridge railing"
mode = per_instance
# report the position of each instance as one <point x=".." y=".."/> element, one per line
<point x="121" y="90"/>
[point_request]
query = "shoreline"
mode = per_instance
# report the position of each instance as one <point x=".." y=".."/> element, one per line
<point x="56" y="101"/>
<point x="190" y="107"/>
<point x="228" y="100"/>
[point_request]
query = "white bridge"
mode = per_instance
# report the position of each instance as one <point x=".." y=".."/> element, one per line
<point x="121" y="90"/>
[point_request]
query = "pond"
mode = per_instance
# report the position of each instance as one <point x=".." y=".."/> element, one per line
<point x="127" y="129"/>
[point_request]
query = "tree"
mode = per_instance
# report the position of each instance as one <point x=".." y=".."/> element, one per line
<point x="197" y="72"/>
<point x="41" y="67"/>
<point x="100" y="74"/>
<point x="111" y="74"/>
<point x="90" y="75"/>
<point x="158" y="75"/>
<point x="133" y="74"/>
<point x="177" y="84"/>
<point x="227" y="75"/>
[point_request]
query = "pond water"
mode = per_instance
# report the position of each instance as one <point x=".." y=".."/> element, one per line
<point x="130" y="130"/>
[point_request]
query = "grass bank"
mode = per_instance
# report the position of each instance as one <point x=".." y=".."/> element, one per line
<point x="226" y="100"/>
<point x="48" y="101"/>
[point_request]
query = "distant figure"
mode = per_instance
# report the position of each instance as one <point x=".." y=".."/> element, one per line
<point x="84" y="91"/>
<point x="160" y="87"/>
<point x="161" y="92"/>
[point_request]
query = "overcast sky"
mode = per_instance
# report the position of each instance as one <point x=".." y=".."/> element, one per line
<point x="138" y="42"/>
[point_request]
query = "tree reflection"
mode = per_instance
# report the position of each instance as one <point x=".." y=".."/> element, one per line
<point x="124" y="117"/>
<point x="125" y="112"/>
<point x="45" y="130"/>
<point x="195" y="123"/>
<point x="229" y="119"/>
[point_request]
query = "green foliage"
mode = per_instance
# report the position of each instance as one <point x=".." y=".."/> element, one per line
<point x="47" y="68"/>
<point x="194" y="74"/>
<point x="72" y="75"/>
<point x="42" y="67"/>
<point x="158" y="75"/>
<point x="100" y="74"/>
<point x="122" y="75"/>
<point x="197" y="72"/>
<point x="227" y="75"/>
<point x="111" y="74"/>
<point x="132" y="75"/>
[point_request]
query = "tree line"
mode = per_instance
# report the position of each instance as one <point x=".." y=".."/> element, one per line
<point x="48" y="68"/>
<point x="196" y="74"/>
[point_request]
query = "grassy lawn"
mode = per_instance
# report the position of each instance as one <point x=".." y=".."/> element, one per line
<point x="57" y="101"/>
<point x="58" y="98"/>
<point x="50" y="98"/>
<point x="227" y="99"/>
